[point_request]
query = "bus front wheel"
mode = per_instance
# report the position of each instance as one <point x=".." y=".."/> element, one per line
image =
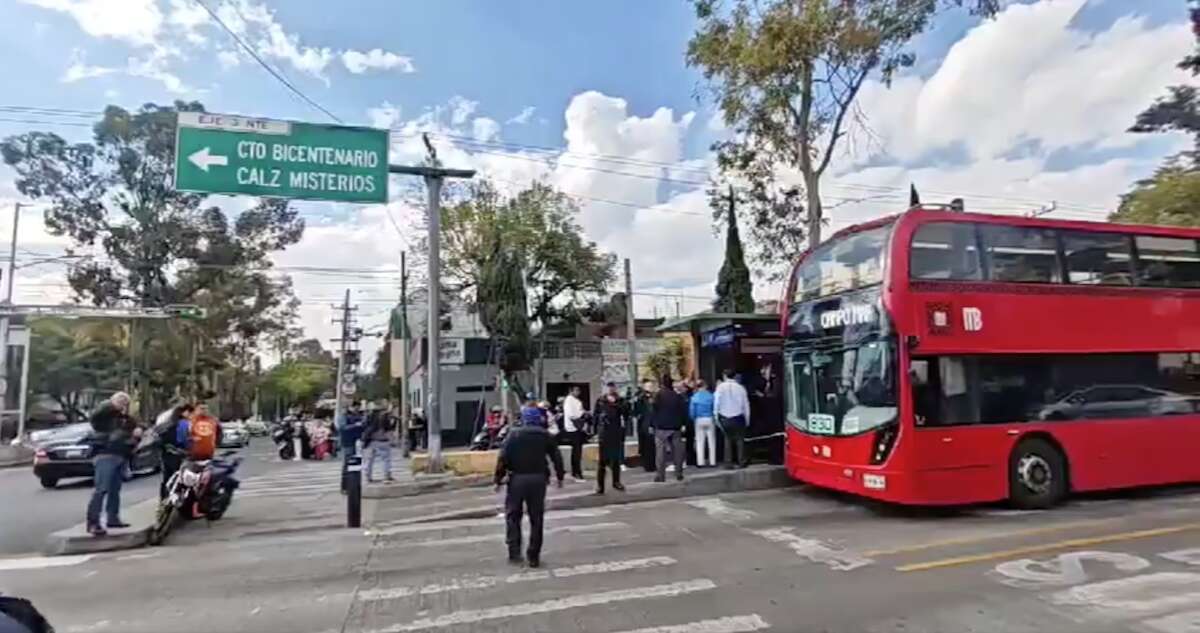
<point x="1037" y="475"/>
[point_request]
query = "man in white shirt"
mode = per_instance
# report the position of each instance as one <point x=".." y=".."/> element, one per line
<point x="732" y="407"/>
<point x="573" y="431"/>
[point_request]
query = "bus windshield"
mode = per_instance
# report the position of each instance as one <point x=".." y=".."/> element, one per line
<point x="849" y="263"/>
<point x="842" y="391"/>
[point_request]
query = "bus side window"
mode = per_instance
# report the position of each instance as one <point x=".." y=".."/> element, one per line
<point x="926" y="396"/>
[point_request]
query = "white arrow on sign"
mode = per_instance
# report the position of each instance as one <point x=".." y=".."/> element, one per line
<point x="203" y="159"/>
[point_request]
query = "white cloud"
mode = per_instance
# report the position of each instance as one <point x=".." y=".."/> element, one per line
<point x="485" y="129"/>
<point x="134" y="21"/>
<point x="229" y="59"/>
<point x="154" y="67"/>
<point x="523" y="117"/>
<point x="384" y="116"/>
<point x="1028" y="77"/>
<point x="376" y="59"/>
<point x="189" y="17"/>
<point x="461" y="110"/>
<point x="79" y="69"/>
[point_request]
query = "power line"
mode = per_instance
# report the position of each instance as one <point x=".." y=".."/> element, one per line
<point x="274" y="73"/>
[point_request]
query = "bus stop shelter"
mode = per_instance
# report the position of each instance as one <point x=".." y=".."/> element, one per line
<point x="751" y="345"/>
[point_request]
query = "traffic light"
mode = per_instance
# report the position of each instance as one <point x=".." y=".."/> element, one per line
<point x="186" y="311"/>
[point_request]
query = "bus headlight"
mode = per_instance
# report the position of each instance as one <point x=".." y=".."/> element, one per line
<point x="885" y="439"/>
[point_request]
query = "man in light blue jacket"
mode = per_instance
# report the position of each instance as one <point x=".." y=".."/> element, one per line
<point x="700" y="409"/>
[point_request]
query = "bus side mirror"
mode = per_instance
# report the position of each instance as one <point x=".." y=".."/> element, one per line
<point x="912" y="341"/>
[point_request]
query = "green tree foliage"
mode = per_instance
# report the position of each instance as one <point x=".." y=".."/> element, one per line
<point x="735" y="293"/>
<point x="670" y="360"/>
<point x="1172" y="195"/>
<point x="70" y="361"/>
<point x="524" y="258"/>
<point x="785" y="75"/>
<point x="160" y="246"/>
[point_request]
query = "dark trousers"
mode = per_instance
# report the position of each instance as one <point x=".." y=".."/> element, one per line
<point x="735" y="445"/>
<point x="645" y="447"/>
<point x="107" y="491"/>
<point x="170" y="465"/>
<point x="665" y="440"/>
<point x="415" y="439"/>
<point x="689" y="443"/>
<point x="526" y="493"/>
<point x="609" y="458"/>
<point x="574" y="439"/>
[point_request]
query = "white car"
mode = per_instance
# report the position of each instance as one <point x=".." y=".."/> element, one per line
<point x="234" y="435"/>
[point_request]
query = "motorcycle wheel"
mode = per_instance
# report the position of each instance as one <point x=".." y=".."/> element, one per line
<point x="163" y="522"/>
<point x="220" y="504"/>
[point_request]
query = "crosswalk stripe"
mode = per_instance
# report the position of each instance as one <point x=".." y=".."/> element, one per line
<point x="731" y="624"/>
<point x="484" y="582"/>
<point x="472" y="616"/>
<point x="484" y="538"/>
<point x="490" y="521"/>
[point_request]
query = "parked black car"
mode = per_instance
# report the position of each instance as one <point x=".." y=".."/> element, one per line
<point x="67" y="452"/>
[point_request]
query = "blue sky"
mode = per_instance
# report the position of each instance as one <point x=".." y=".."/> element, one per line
<point x="1013" y="113"/>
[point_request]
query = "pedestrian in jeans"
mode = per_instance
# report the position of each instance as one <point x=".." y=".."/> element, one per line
<point x="670" y="416"/>
<point x="732" y="406"/>
<point x="115" y="436"/>
<point x="377" y="442"/>
<point x="573" y="433"/>
<point x="700" y="410"/>
<point x="522" y="463"/>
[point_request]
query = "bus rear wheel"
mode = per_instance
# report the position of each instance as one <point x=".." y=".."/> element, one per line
<point x="1037" y="476"/>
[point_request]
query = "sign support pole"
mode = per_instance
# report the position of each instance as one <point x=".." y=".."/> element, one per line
<point x="434" y="177"/>
<point x="4" y="321"/>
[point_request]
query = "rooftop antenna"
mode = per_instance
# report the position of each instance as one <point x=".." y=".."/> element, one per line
<point x="1045" y="209"/>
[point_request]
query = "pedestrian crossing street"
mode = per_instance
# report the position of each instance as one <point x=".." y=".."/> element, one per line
<point x="604" y="570"/>
<point x="294" y="479"/>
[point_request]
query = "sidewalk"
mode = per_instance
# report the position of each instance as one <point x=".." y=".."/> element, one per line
<point x="482" y="502"/>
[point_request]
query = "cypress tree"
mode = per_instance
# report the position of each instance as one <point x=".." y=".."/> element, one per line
<point x="735" y="292"/>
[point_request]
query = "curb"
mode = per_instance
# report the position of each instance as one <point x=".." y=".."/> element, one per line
<point x="76" y="540"/>
<point x="434" y="483"/>
<point x="761" y="478"/>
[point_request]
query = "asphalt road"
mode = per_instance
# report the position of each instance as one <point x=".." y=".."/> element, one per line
<point x="788" y="560"/>
<point x="44" y="511"/>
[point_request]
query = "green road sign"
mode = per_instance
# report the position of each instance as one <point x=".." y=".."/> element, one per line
<point x="220" y="153"/>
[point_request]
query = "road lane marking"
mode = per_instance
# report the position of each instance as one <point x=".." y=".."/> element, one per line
<point x="814" y="550"/>
<point x="1148" y="593"/>
<point x="1064" y="569"/>
<point x="716" y="508"/>
<point x="42" y="562"/>
<point x="484" y="538"/>
<point x="484" y="582"/>
<point x="1187" y="622"/>
<point x="1048" y="547"/>
<point x="473" y="616"/>
<point x="967" y="540"/>
<point x="731" y="624"/>
<point x="489" y="521"/>
<point x="1185" y="556"/>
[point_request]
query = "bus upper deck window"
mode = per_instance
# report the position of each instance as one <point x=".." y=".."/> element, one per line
<point x="945" y="250"/>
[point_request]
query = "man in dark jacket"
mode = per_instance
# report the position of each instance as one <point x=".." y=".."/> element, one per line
<point x="115" y="435"/>
<point x="643" y="409"/>
<point x="670" y="416"/>
<point x="610" y="413"/>
<point x="172" y="451"/>
<point x="523" y="460"/>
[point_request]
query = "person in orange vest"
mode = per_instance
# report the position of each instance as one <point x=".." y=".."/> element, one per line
<point x="200" y="434"/>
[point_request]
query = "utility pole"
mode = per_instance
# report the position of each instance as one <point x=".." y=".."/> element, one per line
<point x="339" y="409"/>
<point x="630" y="328"/>
<point x="402" y="336"/>
<point x="434" y="176"/>
<point x="5" y="322"/>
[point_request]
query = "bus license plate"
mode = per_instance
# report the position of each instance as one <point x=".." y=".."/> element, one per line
<point x="874" y="482"/>
<point x="820" y="423"/>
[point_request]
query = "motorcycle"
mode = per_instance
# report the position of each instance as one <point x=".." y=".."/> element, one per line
<point x="282" y="435"/>
<point x="199" y="489"/>
<point x="482" y="442"/>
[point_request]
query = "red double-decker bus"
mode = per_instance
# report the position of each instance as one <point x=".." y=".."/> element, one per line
<point x="941" y="357"/>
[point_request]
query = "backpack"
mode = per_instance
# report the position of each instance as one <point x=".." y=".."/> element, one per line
<point x="202" y="435"/>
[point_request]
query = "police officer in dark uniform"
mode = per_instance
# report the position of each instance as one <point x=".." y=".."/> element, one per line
<point x="523" y="460"/>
